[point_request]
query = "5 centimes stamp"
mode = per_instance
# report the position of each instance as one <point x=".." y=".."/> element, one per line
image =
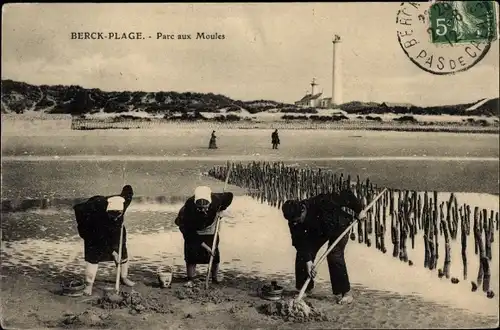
<point x="462" y="22"/>
<point x="446" y="37"/>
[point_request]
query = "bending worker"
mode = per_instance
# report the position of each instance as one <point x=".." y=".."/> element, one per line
<point x="197" y="223"/>
<point x="99" y="222"/>
<point x="312" y="223"/>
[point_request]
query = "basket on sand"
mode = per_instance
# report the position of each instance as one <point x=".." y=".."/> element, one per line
<point x="72" y="288"/>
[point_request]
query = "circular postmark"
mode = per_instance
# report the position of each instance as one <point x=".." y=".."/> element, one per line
<point x="446" y="37"/>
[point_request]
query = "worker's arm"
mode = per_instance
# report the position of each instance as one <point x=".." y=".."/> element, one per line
<point x="116" y="245"/>
<point x="115" y="236"/>
<point x="348" y="199"/>
<point x="179" y="220"/>
<point x="186" y="221"/>
<point x="182" y="221"/>
<point x="126" y="204"/>
<point x="301" y="242"/>
<point x="225" y="200"/>
<point x="338" y="211"/>
<point x="208" y="248"/>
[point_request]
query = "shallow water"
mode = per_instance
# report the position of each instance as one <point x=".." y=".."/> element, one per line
<point x="82" y="179"/>
<point x="255" y="240"/>
<point x="78" y="164"/>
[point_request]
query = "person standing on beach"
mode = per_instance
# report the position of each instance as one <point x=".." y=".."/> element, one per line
<point x="275" y="139"/>
<point x="197" y="221"/>
<point x="213" y="141"/>
<point x="312" y="223"/>
<point x="99" y="221"/>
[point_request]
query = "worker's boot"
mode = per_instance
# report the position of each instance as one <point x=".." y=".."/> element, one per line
<point x="346" y="298"/>
<point x="124" y="275"/>
<point x="191" y="273"/>
<point x="90" y="274"/>
<point x="216" y="277"/>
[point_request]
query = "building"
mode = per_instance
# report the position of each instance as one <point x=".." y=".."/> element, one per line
<point x="309" y="100"/>
<point x="314" y="99"/>
<point x="325" y="102"/>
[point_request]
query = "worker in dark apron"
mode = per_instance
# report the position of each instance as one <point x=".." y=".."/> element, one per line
<point x="315" y="221"/>
<point x="99" y="221"/>
<point x="197" y="222"/>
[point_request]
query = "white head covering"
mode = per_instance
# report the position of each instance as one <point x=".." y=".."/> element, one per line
<point x="203" y="192"/>
<point x="116" y="203"/>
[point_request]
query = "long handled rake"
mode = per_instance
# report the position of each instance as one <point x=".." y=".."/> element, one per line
<point x="323" y="256"/>
<point x="217" y="227"/>
<point x="118" y="267"/>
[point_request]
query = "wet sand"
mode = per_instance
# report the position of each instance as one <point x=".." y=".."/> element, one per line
<point x="32" y="302"/>
<point x="74" y="164"/>
<point x="234" y="142"/>
<point x="389" y="293"/>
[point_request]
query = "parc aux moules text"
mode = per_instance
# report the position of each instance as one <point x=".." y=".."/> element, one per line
<point x="143" y="36"/>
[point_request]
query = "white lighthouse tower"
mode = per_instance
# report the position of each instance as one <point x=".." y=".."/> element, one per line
<point x="313" y="86"/>
<point x="336" y="73"/>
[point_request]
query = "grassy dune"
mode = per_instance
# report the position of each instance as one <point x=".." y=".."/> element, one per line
<point x="13" y="124"/>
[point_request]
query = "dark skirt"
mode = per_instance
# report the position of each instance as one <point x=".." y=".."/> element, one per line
<point x="194" y="253"/>
<point x="102" y="251"/>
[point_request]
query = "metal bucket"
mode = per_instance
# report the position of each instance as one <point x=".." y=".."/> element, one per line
<point x="272" y="292"/>
<point x="165" y="279"/>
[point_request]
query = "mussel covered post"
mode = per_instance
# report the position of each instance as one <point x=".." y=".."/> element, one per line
<point x="463" y="236"/>
<point x="483" y="271"/>
<point x="394" y="229"/>
<point x="447" y="247"/>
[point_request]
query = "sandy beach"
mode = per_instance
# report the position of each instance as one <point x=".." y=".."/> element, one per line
<point x="397" y="103"/>
<point x="389" y="293"/>
<point x="40" y="247"/>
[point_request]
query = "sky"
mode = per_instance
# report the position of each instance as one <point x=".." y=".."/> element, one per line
<point x="269" y="51"/>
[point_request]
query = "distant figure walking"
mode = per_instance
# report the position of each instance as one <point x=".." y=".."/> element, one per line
<point x="213" y="141"/>
<point x="275" y="139"/>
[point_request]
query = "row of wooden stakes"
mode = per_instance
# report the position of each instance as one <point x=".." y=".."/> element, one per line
<point x="409" y="212"/>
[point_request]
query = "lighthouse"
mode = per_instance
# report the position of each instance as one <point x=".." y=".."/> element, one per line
<point x="315" y="99"/>
<point x="336" y="73"/>
<point x="313" y="86"/>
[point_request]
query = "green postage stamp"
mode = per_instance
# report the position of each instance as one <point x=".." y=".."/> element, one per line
<point x="462" y="22"/>
<point x="447" y="37"/>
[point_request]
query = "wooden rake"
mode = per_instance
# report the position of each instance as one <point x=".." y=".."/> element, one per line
<point x="217" y="227"/>
<point x="119" y="266"/>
